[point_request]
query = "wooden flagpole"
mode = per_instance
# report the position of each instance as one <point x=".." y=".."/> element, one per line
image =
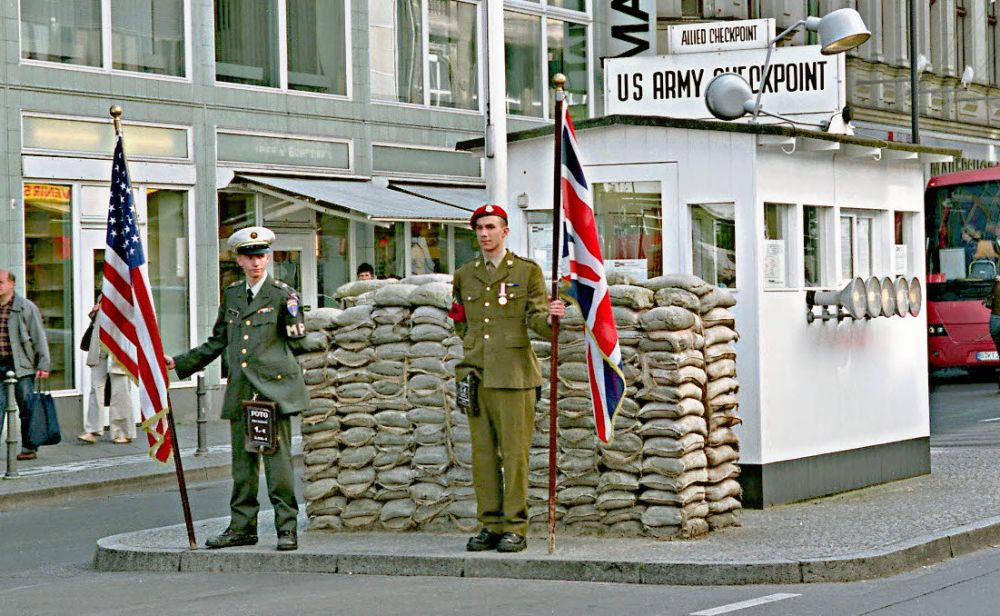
<point x="116" y="114"/>
<point x="559" y="80"/>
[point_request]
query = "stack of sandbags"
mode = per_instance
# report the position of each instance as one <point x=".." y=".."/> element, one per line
<point x="722" y="447"/>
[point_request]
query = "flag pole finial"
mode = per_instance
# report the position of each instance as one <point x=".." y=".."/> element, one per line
<point x="559" y="80"/>
<point x="116" y="112"/>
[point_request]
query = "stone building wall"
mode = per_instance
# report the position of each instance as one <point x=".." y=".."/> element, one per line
<point x="386" y="448"/>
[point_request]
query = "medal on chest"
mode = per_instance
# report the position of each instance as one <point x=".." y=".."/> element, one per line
<point x="502" y="296"/>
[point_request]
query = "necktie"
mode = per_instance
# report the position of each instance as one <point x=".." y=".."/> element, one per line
<point x="249" y="296"/>
<point x="490" y="268"/>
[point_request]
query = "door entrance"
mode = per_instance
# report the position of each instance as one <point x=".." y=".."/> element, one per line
<point x="92" y="245"/>
<point x="293" y="261"/>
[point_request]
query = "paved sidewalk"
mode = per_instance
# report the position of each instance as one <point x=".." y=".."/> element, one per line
<point x="868" y="533"/>
<point x="864" y="534"/>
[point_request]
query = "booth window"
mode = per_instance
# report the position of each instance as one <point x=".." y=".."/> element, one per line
<point x="428" y="248"/>
<point x="777" y="236"/>
<point x="814" y="236"/>
<point x="332" y="258"/>
<point x="167" y="240"/>
<point x="902" y="225"/>
<point x="630" y="226"/>
<point x="857" y="235"/>
<point x="390" y="251"/>
<point x="422" y="60"/>
<point x="48" y="279"/>
<point x="146" y="36"/>
<point x="536" y="47"/>
<point x="466" y="246"/>
<point x="713" y="243"/>
<point x="248" y="44"/>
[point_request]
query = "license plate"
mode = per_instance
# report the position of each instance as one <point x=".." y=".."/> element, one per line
<point x="987" y="356"/>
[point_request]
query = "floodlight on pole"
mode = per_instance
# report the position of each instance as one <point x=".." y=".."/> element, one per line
<point x="730" y="96"/>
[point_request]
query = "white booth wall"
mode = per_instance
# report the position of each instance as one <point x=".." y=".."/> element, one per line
<point x="805" y="389"/>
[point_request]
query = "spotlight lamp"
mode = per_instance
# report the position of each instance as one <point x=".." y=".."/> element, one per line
<point x="865" y="300"/>
<point x="730" y="97"/>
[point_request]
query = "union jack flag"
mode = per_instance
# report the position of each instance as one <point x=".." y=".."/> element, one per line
<point x="127" y="321"/>
<point x="587" y="287"/>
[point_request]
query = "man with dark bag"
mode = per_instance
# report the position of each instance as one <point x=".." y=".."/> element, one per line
<point x="259" y="324"/>
<point x="497" y="298"/>
<point x="24" y="349"/>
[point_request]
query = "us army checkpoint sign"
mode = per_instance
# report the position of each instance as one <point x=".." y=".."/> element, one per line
<point x="802" y="82"/>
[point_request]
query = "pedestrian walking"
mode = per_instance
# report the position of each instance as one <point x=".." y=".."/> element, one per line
<point x="23" y="349"/>
<point x="110" y="387"/>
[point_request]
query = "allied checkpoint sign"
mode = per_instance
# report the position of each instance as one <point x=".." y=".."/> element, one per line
<point x="803" y="83"/>
<point x="720" y="36"/>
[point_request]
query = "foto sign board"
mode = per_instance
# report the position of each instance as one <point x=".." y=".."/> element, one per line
<point x="720" y="36"/>
<point x="802" y="81"/>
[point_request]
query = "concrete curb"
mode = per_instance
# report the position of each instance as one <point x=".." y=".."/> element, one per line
<point x="318" y="554"/>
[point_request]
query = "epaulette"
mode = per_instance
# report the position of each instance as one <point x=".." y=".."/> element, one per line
<point x="236" y="284"/>
<point x="280" y="284"/>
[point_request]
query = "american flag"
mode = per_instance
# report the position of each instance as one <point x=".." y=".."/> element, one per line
<point x="588" y="288"/>
<point x="127" y="321"/>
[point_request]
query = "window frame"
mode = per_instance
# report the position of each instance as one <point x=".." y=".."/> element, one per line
<point x="785" y="217"/>
<point x="824" y="244"/>
<point x="875" y="253"/>
<point x="541" y="9"/>
<point x="426" y="53"/>
<point x="715" y="245"/>
<point x="106" y="46"/>
<point x="282" y="59"/>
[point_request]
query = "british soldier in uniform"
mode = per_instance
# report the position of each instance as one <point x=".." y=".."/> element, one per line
<point x="496" y="299"/>
<point x="259" y="323"/>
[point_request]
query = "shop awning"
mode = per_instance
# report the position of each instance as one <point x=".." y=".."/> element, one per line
<point x="372" y="201"/>
<point x="465" y="197"/>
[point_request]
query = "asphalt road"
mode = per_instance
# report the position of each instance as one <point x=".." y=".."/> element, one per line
<point x="45" y="556"/>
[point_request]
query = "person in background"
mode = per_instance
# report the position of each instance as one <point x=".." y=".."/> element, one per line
<point x="366" y="272"/>
<point x="24" y="349"/>
<point x="108" y="387"/>
<point x="995" y="317"/>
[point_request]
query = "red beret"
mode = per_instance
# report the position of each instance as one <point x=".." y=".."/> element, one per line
<point x="487" y="210"/>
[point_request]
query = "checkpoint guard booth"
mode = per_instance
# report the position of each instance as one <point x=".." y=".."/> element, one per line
<point x="818" y="234"/>
<point x="786" y="219"/>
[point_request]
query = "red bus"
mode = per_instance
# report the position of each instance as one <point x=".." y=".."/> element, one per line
<point x="963" y="257"/>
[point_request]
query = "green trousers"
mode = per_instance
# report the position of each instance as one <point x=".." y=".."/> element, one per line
<point x="501" y="437"/>
<point x="278" y="470"/>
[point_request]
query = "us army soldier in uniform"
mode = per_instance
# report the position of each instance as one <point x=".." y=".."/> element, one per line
<point x="259" y="322"/>
<point x="497" y="297"/>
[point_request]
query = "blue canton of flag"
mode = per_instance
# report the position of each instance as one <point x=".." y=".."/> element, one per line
<point x="123" y="233"/>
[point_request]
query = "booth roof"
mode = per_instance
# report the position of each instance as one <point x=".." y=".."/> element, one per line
<point x="719" y="126"/>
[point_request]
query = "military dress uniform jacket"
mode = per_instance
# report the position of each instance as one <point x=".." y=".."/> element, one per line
<point x="495" y="333"/>
<point x="258" y="340"/>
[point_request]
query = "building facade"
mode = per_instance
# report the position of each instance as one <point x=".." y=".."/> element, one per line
<point x="334" y="122"/>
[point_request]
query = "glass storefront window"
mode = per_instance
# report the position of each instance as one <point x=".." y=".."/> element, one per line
<point x="567" y="51"/>
<point x="61" y="31"/>
<point x="168" y="265"/>
<point x="428" y="248"/>
<point x="466" y="246"/>
<point x="236" y="210"/>
<point x="523" y="39"/>
<point x="573" y="5"/>
<point x="317" y="46"/>
<point x="390" y="250"/>
<point x="246" y="42"/>
<point x="333" y="258"/>
<point x="48" y="280"/>
<point x="630" y="225"/>
<point x="148" y="36"/>
<point x="395" y="38"/>
<point x="713" y="243"/>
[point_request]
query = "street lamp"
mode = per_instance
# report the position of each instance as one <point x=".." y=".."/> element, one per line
<point x="729" y="95"/>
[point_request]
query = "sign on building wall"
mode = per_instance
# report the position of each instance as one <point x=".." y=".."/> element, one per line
<point x="801" y="81"/>
<point x="719" y="36"/>
<point x="631" y="27"/>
